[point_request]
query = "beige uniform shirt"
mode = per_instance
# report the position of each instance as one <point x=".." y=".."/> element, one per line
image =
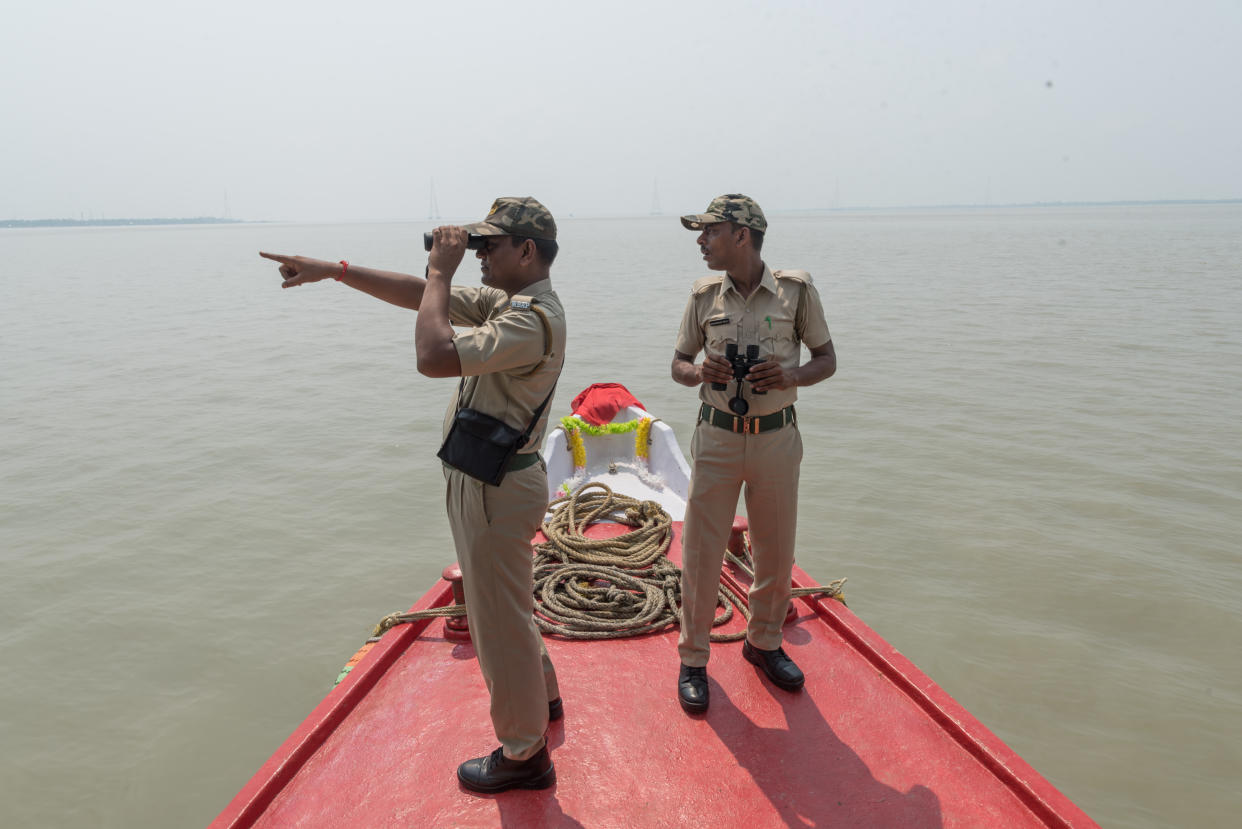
<point x="782" y="315"/>
<point x="505" y="341"/>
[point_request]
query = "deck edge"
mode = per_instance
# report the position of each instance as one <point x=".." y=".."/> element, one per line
<point x="266" y="784"/>
<point x="1044" y="800"/>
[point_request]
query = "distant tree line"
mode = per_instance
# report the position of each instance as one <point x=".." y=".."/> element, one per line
<point x="198" y="220"/>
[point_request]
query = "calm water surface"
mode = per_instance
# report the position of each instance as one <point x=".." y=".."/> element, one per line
<point x="1029" y="465"/>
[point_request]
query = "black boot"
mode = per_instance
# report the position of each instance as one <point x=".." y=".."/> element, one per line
<point x="496" y="772"/>
<point x="692" y="689"/>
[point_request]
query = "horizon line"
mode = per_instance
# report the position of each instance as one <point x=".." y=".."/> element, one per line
<point x="67" y="222"/>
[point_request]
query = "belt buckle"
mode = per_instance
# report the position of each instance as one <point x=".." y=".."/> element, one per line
<point x="746" y="420"/>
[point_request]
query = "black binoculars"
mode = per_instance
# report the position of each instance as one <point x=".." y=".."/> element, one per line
<point x="473" y="242"/>
<point x="742" y="365"/>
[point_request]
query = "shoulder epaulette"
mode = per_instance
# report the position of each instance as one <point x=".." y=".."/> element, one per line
<point x="703" y="283"/>
<point x="798" y="276"/>
<point x="527" y="303"/>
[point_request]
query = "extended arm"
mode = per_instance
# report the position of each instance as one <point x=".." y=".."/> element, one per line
<point x="433" y="334"/>
<point x="401" y="289"/>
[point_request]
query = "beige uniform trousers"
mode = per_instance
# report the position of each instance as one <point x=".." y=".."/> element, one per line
<point x="768" y="464"/>
<point x="492" y="530"/>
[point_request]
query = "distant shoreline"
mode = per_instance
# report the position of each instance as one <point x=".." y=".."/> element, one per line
<point x="995" y="206"/>
<point x="198" y="220"/>
<point x="212" y="220"/>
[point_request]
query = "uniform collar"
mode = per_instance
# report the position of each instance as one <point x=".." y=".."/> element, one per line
<point x="543" y="286"/>
<point x="766" y="281"/>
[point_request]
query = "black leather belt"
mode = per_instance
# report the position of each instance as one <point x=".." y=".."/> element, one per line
<point x="748" y="425"/>
<point x="523" y="461"/>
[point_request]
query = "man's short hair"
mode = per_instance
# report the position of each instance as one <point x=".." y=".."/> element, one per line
<point x="756" y="239"/>
<point x="546" y="249"/>
<point x="756" y="236"/>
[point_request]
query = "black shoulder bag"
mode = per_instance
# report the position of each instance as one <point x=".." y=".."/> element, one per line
<point x="483" y="446"/>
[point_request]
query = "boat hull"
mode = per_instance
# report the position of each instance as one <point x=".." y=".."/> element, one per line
<point x="870" y="741"/>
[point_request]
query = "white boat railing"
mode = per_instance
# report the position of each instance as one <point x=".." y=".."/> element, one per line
<point x="663" y="476"/>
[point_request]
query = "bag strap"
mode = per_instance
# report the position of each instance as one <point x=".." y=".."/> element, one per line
<point x="547" y="354"/>
<point x="547" y="340"/>
<point x="547" y="351"/>
<point x="530" y="427"/>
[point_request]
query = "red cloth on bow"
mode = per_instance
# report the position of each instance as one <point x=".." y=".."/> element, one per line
<point x="599" y="403"/>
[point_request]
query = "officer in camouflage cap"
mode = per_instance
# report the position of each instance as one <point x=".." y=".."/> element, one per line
<point x="516" y="217"/>
<point x="732" y="207"/>
<point x="746" y="433"/>
<point x="509" y="354"/>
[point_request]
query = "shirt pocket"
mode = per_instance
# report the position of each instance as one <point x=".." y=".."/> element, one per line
<point x="720" y="337"/>
<point x="777" y="336"/>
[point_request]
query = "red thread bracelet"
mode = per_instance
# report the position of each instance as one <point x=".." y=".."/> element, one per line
<point x="344" y="269"/>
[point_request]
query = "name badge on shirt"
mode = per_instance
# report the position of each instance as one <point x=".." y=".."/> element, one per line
<point x="719" y="321"/>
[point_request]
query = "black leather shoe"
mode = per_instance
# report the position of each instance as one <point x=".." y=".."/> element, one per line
<point x="776" y="666"/>
<point x="496" y="772"/>
<point x="555" y="709"/>
<point x="692" y="689"/>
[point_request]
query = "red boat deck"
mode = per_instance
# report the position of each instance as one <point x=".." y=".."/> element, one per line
<point x="870" y="742"/>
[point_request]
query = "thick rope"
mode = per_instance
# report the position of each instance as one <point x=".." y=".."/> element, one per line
<point x="833" y="590"/>
<point x="394" y="619"/>
<point x="610" y="588"/>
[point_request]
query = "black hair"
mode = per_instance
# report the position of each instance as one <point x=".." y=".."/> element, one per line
<point x="756" y="236"/>
<point x="545" y="248"/>
<point x="756" y="239"/>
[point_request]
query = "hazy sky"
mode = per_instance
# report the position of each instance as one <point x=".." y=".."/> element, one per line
<point x="325" y="111"/>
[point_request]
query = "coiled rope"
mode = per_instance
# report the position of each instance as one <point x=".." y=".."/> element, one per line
<point x="610" y="588"/>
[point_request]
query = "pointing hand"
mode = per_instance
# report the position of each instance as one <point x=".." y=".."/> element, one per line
<point x="298" y="270"/>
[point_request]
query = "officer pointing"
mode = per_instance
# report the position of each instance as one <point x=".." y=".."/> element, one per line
<point x="509" y="357"/>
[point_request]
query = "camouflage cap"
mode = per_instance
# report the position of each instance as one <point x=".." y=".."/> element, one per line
<point x="731" y="207"/>
<point x="514" y="216"/>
